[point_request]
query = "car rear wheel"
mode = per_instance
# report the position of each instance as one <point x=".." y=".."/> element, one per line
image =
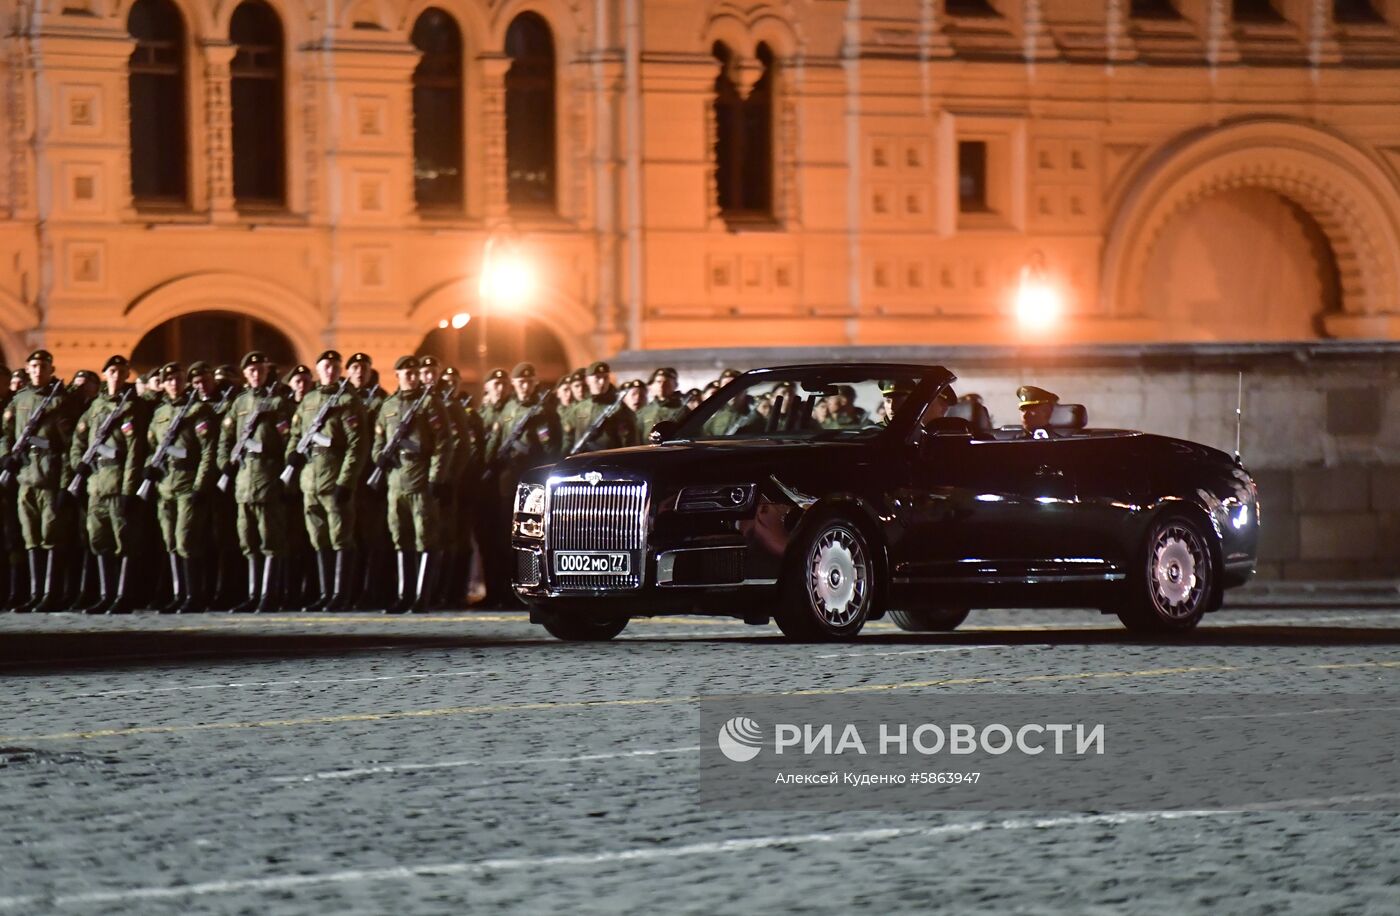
<point x="830" y="586"/>
<point x="939" y="620"/>
<point x="585" y="629"/>
<point x="1175" y="581"/>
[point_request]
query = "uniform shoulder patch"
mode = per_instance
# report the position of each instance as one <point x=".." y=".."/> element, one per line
<point x="82" y="426"/>
<point x="201" y="426"/>
<point x="128" y="427"/>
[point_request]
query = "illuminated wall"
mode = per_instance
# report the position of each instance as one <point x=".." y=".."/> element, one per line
<point x="809" y="172"/>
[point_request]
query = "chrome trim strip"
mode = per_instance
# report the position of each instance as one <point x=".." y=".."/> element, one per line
<point x="1007" y="580"/>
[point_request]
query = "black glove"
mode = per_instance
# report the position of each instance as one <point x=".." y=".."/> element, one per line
<point x="297" y="460"/>
<point x="341" y="495"/>
<point x="440" y="491"/>
<point x="82" y="469"/>
<point x="230" y="469"/>
<point x="152" y="473"/>
<point x="10" y="463"/>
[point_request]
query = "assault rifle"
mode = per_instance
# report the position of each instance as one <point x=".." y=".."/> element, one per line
<point x="391" y="448"/>
<point x="155" y="466"/>
<point x="244" y="444"/>
<point x="98" y="447"/>
<point x="312" y="436"/>
<point x="512" y="437"/>
<point x="596" y="425"/>
<point x="27" y="438"/>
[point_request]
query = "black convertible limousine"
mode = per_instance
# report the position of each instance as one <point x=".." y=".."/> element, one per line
<point x="916" y="508"/>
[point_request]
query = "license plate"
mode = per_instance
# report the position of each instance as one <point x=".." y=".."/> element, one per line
<point x="592" y="562"/>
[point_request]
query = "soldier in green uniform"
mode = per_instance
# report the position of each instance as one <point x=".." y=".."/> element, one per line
<point x="417" y="472"/>
<point x="601" y="421"/>
<point x="80" y="575"/>
<point x="252" y="451"/>
<point x="221" y="565"/>
<point x="842" y="412"/>
<point x="496" y="394"/>
<point x="300" y="582"/>
<point x="373" y="566"/>
<point x="114" y="429"/>
<point x="330" y="471"/>
<point x="457" y="574"/>
<point x="40" y="465"/>
<point x="665" y="403"/>
<point x="13" y="544"/>
<point x="189" y="430"/>
<point x="455" y="534"/>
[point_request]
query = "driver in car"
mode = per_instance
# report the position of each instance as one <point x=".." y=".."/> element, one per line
<point x="1037" y="405"/>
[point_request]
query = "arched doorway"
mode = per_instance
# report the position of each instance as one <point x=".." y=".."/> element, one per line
<point x="215" y="337"/>
<point x="1245" y="264"/>
<point x="508" y="341"/>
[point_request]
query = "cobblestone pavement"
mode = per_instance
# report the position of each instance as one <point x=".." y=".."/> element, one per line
<point x="367" y="764"/>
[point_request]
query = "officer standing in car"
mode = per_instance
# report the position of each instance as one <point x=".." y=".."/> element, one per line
<point x="1037" y="405"/>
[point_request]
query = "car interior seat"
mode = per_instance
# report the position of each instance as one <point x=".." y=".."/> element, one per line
<point x="976" y="415"/>
<point x="1069" y="416"/>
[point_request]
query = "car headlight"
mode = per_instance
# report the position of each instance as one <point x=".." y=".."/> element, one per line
<point x="529" y="499"/>
<point x="722" y="498"/>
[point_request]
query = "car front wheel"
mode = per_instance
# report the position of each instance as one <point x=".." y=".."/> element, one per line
<point x="940" y="620"/>
<point x="584" y="629"/>
<point x="1174" y="583"/>
<point x="830" y="586"/>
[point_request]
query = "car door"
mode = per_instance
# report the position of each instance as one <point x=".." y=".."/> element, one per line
<point x="985" y="511"/>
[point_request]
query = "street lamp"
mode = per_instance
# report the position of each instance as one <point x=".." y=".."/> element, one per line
<point x="506" y="281"/>
<point x="1038" y="303"/>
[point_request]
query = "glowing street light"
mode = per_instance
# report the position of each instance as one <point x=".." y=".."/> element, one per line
<point x="507" y="277"/>
<point x="460" y="320"/>
<point x="1038" y="302"/>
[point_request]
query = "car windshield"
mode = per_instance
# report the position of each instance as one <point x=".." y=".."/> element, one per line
<point x="803" y="404"/>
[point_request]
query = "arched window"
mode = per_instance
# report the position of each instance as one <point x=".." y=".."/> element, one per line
<point x="259" y="151"/>
<point x="744" y="138"/>
<point x="530" y="172"/>
<point x="437" y="112"/>
<point x="156" y="80"/>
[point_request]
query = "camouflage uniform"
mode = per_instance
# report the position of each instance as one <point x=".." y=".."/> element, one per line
<point x="183" y="483"/>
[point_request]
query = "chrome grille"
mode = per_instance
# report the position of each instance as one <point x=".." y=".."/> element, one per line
<point x="527" y="566"/>
<point x="610" y="515"/>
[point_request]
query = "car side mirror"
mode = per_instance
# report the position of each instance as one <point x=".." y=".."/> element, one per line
<point x="663" y="431"/>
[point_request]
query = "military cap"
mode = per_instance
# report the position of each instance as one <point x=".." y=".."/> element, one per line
<point x="891" y="386"/>
<point x="730" y="373"/>
<point x="599" y="367"/>
<point x="1030" y="396"/>
<point x="359" y="358"/>
<point x="115" y="360"/>
<point x="19" y="374"/>
<point x="523" y="370"/>
<point x="225" y="371"/>
<point x="299" y="369"/>
<point x="575" y="376"/>
<point x="581" y="371"/>
<point x="43" y="356"/>
<point x="254" y="358"/>
<point x="83" y="375"/>
<point x="970" y="398"/>
<point x="405" y="362"/>
<point x="197" y="368"/>
<point x="495" y="374"/>
<point x="153" y="375"/>
<point x="846" y="391"/>
<point x="170" y="370"/>
<point x="428" y="361"/>
<point x="450" y="372"/>
<point x="633" y="383"/>
<point x="666" y="371"/>
<point x="332" y="355"/>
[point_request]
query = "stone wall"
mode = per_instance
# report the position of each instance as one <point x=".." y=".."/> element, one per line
<point x="1320" y="431"/>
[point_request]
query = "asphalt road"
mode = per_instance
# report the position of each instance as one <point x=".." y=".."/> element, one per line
<point x="434" y="764"/>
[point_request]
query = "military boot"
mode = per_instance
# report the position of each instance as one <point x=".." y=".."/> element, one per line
<point x="196" y="587"/>
<point x="340" y="581"/>
<point x="254" y="588"/>
<point x="427" y="580"/>
<point x="270" y="598"/>
<point x="121" y="597"/>
<point x="179" y="587"/>
<point x="17" y="595"/>
<point x="324" y="573"/>
<point x="53" y="586"/>
<point x="36" y="581"/>
<point x="407" y="592"/>
<point x="106" y="584"/>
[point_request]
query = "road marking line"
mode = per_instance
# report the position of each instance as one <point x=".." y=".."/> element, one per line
<point x="453" y="764"/>
<point x="1019" y="646"/>
<point x="296" y="682"/>
<point x="282" y="883"/>
<point x="442" y="711"/>
<point x="1307" y="712"/>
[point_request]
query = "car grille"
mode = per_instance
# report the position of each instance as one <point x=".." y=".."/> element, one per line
<point x="610" y="515"/>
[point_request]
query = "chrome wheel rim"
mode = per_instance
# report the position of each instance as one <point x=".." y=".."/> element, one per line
<point x="838" y="576"/>
<point x="1179" y="571"/>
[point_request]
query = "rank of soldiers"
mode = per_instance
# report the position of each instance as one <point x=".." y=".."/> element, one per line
<point x="199" y="488"/>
